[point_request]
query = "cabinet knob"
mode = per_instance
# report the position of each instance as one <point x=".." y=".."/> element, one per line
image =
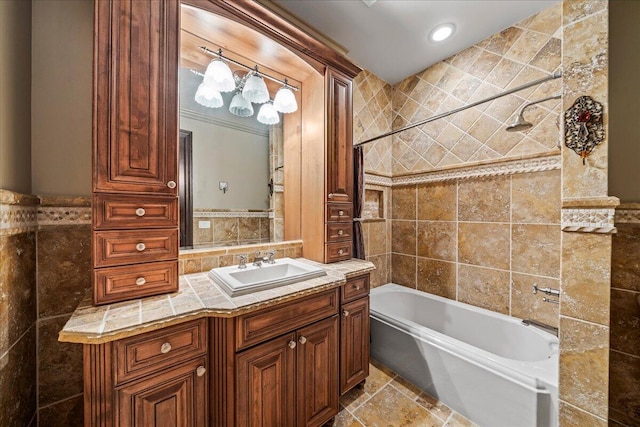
<point x="340" y="232"/>
<point x="292" y="344"/>
<point x="340" y="213"/>
<point x="302" y="339"/>
<point x="345" y="313"/>
<point x="166" y="348"/>
<point x="140" y="212"/>
<point x="356" y="287"/>
<point x="140" y="247"/>
<point x="171" y="184"/>
<point x="200" y="371"/>
<point x="341" y="251"/>
<point x="140" y="281"/>
<point x="330" y="195"/>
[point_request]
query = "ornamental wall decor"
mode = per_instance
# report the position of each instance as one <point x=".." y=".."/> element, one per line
<point x="583" y="126"/>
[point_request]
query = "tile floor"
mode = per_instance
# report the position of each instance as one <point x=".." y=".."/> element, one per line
<point x="389" y="400"/>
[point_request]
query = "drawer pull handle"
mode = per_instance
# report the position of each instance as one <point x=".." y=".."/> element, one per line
<point x="330" y="195"/>
<point x="140" y="281"/>
<point x="340" y="213"/>
<point x="166" y="348"/>
<point x="356" y="287"/>
<point x="140" y="247"/>
<point x="303" y="339"/>
<point x="341" y="251"/>
<point x="200" y="371"/>
<point x="171" y="184"/>
<point x="292" y="344"/>
<point x="140" y="212"/>
<point x="340" y="232"/>
<point x="345" y="313"/>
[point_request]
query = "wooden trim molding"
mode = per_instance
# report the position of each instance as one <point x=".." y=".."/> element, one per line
<point x="98" y="385"/>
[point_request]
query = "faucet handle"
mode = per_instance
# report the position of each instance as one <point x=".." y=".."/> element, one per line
<point x="271" y="254"/>
<point x="243" y="261"/>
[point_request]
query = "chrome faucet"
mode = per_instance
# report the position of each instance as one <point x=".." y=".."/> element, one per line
<point x="270" y="260"/>
<point x="243" y="262"/>
<point x="258" y="259"/>
<point x="540" y="325"/>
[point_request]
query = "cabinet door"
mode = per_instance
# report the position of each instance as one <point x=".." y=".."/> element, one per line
<point x="354" y="343"/>
<point x="175" y="398"/>
<point x="339" y="137"/>
<point x="135" y="98"/>
<point x="317" y="373"/>
<point x="265" y="384"/>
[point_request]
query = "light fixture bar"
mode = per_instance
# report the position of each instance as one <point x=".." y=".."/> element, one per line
<point x="240" y="64"/>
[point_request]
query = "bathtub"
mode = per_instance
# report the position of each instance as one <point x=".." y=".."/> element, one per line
<point x="487" y="366"/>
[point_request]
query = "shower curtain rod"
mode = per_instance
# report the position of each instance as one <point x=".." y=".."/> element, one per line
<point x="457" y="110"/>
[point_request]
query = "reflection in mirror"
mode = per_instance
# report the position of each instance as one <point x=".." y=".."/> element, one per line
<point x="237" y="162"/>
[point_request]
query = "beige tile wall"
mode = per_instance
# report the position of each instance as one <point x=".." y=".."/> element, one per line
<point x="230" y="231"/>
<point x="482" y="241"/>
<point x="527" y="51"/>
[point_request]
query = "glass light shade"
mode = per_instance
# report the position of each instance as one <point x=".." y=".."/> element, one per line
<point x="208" y="96"/>
<point x="268" y="115"/>
<point x="219" y="76"/>
<point x="285" y="101"/>
<point x="240" y="106"/>
<point x="255" y="90"/>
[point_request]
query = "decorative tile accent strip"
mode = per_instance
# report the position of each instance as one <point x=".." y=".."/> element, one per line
<point x="16" y="219"/>
<point x="66" y="215"/>
<point x="373" y="179"/>
<point x="537" y="164"/>
<point x="278" y="188"/>
<point x="234" y="214"/>
<point x="627" y="216"/>
<point x="589" y="220"/>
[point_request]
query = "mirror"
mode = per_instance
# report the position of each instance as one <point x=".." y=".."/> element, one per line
<point x="232" y="167"/>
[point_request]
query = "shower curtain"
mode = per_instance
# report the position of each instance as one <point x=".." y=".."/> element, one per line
<point x="358" y="197"/>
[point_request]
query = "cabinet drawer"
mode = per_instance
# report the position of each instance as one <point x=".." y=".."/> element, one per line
<point x="134" y="281"/>
<point x="253" y="328"/>
<point x="115" y="211"/>
<point x="154" y="351"/>
<point x="337" y="251"/>
<point x="135" y="246"/>
<point x="337" y="231"/>
<point x="342" y="212"/>
<point x="355" y="288"/>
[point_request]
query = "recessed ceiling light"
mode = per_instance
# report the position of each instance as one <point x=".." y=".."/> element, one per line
<point x="442" y="32"/>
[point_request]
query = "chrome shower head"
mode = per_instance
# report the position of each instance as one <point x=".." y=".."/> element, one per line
<point x="520" y="124"/>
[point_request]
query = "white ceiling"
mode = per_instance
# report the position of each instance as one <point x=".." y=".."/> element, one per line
<point x="391" y="38"/>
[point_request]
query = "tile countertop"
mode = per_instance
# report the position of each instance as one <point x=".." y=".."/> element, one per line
<point x="197" y="297"/>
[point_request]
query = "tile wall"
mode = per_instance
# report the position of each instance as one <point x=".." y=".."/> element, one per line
<point x="225" y="228"/>
<point x="371" y="117"/>
<point x="482" y="241"/>
<point x="18" y="311"/>
<point x="624" y="354"/>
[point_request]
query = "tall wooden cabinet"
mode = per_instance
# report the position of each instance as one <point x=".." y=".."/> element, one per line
<point x="135" y="134"/>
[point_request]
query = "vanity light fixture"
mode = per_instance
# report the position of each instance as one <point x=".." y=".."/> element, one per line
<point x="218" y="75"/>
<point x="285" y="100"/>
<point x="442" y="32"/>
<point x="268" y="115"/>
<point x="249" y="88"/>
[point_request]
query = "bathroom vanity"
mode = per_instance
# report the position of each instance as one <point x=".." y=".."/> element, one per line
<point x="280" y="357"/>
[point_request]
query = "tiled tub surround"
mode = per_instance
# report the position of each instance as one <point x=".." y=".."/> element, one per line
<point x="197" y="297"/>
<point x="483" y="241"/>
<point x="624" y="354"/>
<point x="18" y="309"/>
<point x="215" y="227"/>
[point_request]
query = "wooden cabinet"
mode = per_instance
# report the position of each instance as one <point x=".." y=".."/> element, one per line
<point x="354" y="333"/>
<point x="300" y="367"/>
<point x="135" y="136"/>
<point x="155" y="379"/>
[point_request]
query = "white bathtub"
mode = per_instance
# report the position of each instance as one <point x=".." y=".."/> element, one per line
<point x="489" y="367"/>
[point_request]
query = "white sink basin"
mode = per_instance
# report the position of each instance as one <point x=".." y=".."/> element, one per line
<point x="285" y="271"/>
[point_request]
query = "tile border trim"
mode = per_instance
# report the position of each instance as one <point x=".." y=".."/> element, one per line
<point x="17" y="219"/>
<point x="590" y="220"/>
<point x="237" y="214"/>
<point x="63" y="215"/>
<point x="627" y="216"/>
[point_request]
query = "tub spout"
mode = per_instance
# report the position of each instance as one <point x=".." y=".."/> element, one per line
<point x="540" y="325"/>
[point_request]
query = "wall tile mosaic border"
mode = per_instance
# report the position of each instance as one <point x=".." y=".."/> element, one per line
<point x="588" y="220"/>
<point x="627" y="216"/>
<point x="63" y="215"/>
<point x="373" y="179"/>
<point x="16" y="219"/>
<point x="233" y="214"/>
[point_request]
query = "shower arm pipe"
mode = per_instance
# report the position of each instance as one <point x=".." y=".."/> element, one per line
<point x="219" y="54"/>
<point x="464" y="107"/>
<point x="549" y="98"/>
